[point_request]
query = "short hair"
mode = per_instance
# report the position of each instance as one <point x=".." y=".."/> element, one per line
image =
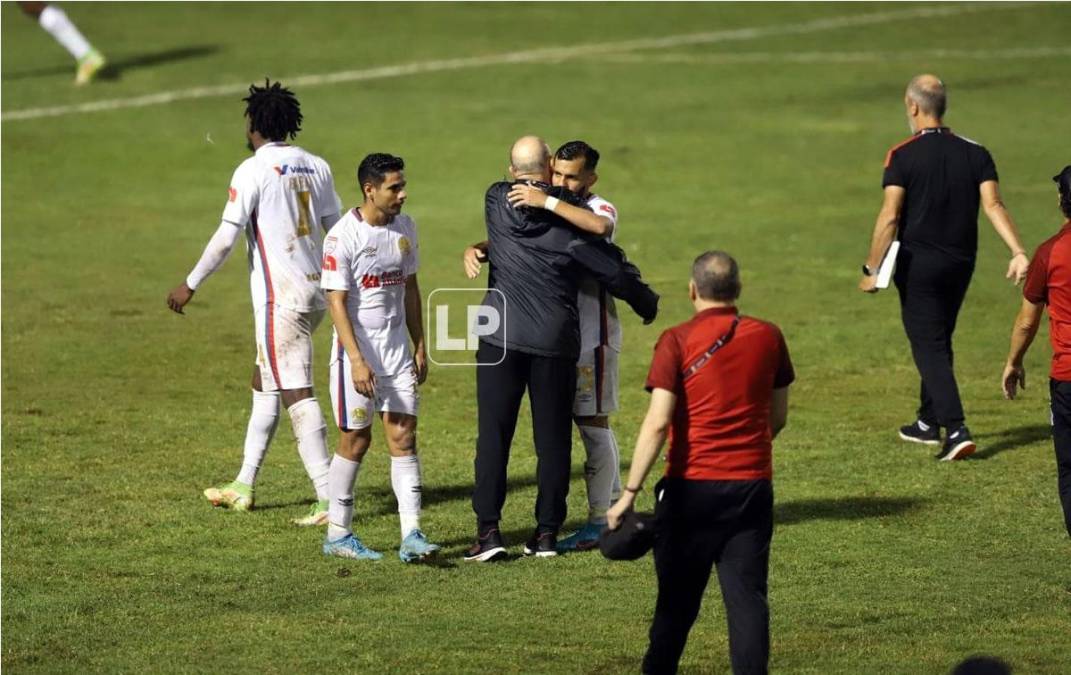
<point x="932" y="99"/>
<point x="574" y="149"/>
<point x="1063" y="183"/>
<point x="716" y="276"/>
<point x="375" y="167"/>
<point x="273" y="111"/>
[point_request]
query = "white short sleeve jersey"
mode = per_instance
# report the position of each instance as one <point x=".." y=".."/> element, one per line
<point x="599" y="325"/>
<point x="279" y="196"/>
<point x="372" y="264"/>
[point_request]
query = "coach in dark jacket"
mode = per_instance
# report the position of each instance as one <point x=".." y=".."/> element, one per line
<point x="537" y="261"/>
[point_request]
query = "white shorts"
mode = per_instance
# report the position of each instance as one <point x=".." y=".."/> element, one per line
<point x="394" y="393"/>
<point x="596" y="382"/>
<point x="284" y="346"/>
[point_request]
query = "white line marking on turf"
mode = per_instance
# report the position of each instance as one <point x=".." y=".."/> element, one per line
<point x="837" y="57"/>
<point x="549" y="54"/>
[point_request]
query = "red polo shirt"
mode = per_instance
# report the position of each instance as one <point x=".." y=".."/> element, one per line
<point x="721" y="423"/>
<point x="1049" y="282"/>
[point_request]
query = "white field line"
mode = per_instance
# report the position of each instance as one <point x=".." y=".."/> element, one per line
<point x="838" y="57"/>
<point x="549" y="54"/>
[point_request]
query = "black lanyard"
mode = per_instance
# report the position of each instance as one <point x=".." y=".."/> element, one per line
<point x="702" y="360"/>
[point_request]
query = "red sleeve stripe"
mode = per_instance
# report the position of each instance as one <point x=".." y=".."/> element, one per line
<point x="889" y="154"/>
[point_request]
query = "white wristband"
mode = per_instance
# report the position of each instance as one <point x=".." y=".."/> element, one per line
<point x="551" y="204"/>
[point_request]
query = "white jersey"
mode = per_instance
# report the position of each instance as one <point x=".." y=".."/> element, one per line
<point x="372" y="264"/>
<point x="599" y="325"/>
<point x="279" y="196"/>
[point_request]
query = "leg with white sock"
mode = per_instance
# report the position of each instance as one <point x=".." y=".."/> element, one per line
<point x="263" y="420"/>
<point x="56" y="22"/>
<point x="346" y="464"/>
<point x="405" y="478"/>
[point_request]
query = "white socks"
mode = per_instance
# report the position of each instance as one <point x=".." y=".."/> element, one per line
<point x="405" y="479"/>
<point x="600" y="469"/>
<point x="343" y="480"/>
<point x="262" y="421"/>
<point x="311" y="434"/>
<point x="55" y="21"/>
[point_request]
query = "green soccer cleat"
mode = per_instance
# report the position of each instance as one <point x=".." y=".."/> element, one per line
<point x="89" y="66"/>
<point x="317" y="515"/>
<point x="234" y="496"/>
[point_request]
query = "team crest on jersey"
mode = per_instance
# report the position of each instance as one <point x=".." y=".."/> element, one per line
<point x="404" y="246"/>
<point x="232" y="194"/>
<point x="360" y="415"/>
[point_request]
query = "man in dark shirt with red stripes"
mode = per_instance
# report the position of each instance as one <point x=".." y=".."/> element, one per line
<point x="1049" y="283"/>
<point x="719" y="392"/>
<point x="934" y="183"/>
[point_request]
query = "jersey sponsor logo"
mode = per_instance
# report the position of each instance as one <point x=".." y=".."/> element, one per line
<point x="286" y="168"/>
<point x="608" y="209"/>
<point x="392" y="278"/>
<point x="404" y="246"/>
<point x="330" y="243"/>
<point x="232" y="194"/>
<point x="330" y="264"/>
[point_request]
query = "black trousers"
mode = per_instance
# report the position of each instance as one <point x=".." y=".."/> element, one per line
<point x="932" y="287"/>
<point x="1060" y="393"/>
<point x="703" y="524"/>
<point x="551" y="385"/>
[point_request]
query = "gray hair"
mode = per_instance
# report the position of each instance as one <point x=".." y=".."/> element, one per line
<point x="716" y="276"/>
<point x="929" y="93"/>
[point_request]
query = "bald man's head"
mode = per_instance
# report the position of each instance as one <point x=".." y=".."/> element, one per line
<point x="530" y="157"/>
<point x="928" y="93"/>
<point x="716" y="277"/>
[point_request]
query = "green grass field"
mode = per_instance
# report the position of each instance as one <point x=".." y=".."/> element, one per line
<point x="767" y="143"/>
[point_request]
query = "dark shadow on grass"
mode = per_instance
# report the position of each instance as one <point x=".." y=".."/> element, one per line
<point x="1011" y="439"/>
<point x="842" y="508"/>
<point x="116" y="67"/>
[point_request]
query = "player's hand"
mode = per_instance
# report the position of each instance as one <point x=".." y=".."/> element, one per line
<point x="1014" y="375"/>
<point x="420" y="365"/>
<point x="526" y="195"/>
<point x="619" y="510"/>
<point x="472" y="259"/>
<point x="179" y="297"/>
<point x="364" y="380"/>
<point x="868" y="284"/>
<point x="1017" y="268"/>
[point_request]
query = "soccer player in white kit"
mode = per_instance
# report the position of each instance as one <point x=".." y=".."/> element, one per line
<point x="600" y="338"/>
<point x="282" y="198"/>
<point x="369" y="272"/>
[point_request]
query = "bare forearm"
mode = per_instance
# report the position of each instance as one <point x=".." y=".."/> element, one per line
<point x="648" y="444"/>
<point x="1005" y="227"/>
<point x="583" y="219"/>
<point x="341" y="319"/>
<point x="1022" y="335"/>
<point x="414" y="319"/>
<point x="884" y="233"/>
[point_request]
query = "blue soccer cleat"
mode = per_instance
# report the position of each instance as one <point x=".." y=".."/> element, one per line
<point x="416" y="547"/>
<point x="350" y="546"/>
<point x="584" y="539"/>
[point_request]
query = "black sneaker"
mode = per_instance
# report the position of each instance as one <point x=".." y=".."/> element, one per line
<point x="488" y="547"/>
<point x="914" y="433"/>
<point x="957" y="446"/>
<point x="542" y="545"/>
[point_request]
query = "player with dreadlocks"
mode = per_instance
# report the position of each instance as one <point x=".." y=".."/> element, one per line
<point x="284" y="199"/>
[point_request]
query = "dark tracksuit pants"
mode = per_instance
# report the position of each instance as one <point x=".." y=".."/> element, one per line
<point x="1060" y="393"/>
<point x="705" y="524"/>
<point x="932" y="287"/>
<point x="551" y="385"/>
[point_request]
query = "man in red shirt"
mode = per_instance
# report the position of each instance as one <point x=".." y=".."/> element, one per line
<point x="1048" y="282"/>
<point x="719" y="392"/>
